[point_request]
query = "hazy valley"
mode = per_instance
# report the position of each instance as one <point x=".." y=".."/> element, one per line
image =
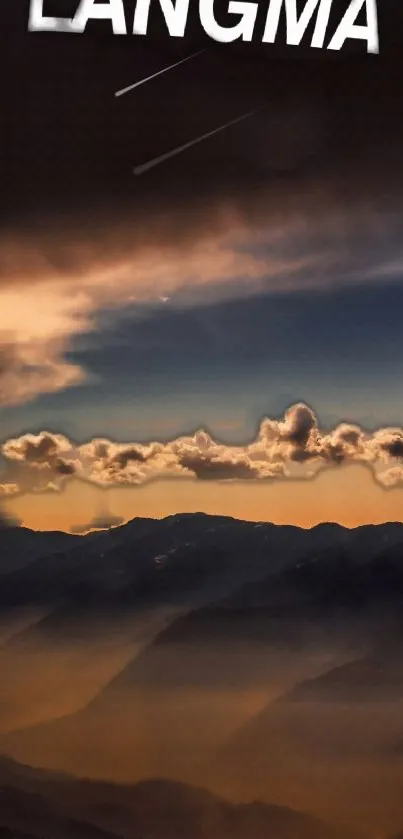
<point x="166" y="658"/>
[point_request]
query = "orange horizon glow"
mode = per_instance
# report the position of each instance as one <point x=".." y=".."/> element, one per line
<point x="348" y="496"/>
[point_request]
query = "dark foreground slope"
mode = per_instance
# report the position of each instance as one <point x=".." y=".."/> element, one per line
<point x="39" y="804"/>
<point x="275" y="673"/>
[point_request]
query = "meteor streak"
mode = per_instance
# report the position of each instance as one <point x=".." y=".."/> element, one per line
<point x="144" y="167"/>
<point x="158" y="73"/>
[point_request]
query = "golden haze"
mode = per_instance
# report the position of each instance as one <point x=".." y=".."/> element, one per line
<point x="348" y="496"/>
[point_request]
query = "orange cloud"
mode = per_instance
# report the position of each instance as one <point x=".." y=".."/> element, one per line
<point x="291" y="448"/>
<point x="43" y="310"/>
<point x="53" y="291"/>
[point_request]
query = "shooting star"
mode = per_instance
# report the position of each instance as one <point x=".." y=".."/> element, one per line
<point x="144" y="167"/>
<point x="158" y="73"/>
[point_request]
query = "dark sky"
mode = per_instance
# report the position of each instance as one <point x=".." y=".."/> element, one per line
<point x="260" y="268"/>
<point x="321" y="161"/>
<point x="69" y="147"/>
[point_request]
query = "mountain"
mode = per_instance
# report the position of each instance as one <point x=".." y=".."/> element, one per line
<point x="261" y="661"/>
<point x="110" y="596"/>
<point x="374" y="678"/>
<point x="44" y="805"/>
<point x="20" y="546"/>
<point x="332" y="739"/>
<point x="206" y="671"/>
<point x="29" y="808"/>
<point x="23" y="812"/>
<point x="144" y="558"/>
<point x="148" y="561"/>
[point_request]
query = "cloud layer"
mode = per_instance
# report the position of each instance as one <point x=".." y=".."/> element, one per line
<point x="46" y="306"/>
<point x="82" y="237"/>
<point x="292" y="448"/>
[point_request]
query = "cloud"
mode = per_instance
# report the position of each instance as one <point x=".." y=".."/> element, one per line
<point x="8" y="521"/>
<point x="293" y="448"/>
<point x="101" y="522"/>
<point x="54" y="293"/>
<point x="306" y="194"/>
<point x="46" y="453"/>
<point x="37" y="322"/>
<point x="9" y="488"/>
<point x="43" y="310"/>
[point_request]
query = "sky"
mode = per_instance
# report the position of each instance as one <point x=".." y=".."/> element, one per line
<point x="149" y="325"/>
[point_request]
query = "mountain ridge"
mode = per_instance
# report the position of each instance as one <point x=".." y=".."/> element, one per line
<point x="157" y="807"/>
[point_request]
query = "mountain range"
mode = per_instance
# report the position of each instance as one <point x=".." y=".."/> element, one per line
<point x="259" y="661"/>
<point x="39" y="804"/>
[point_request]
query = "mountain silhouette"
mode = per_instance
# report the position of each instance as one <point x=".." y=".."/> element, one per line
<point x="260" y="661"/>
<point x="19" y="546"/>
<point x="40" y="804"/>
